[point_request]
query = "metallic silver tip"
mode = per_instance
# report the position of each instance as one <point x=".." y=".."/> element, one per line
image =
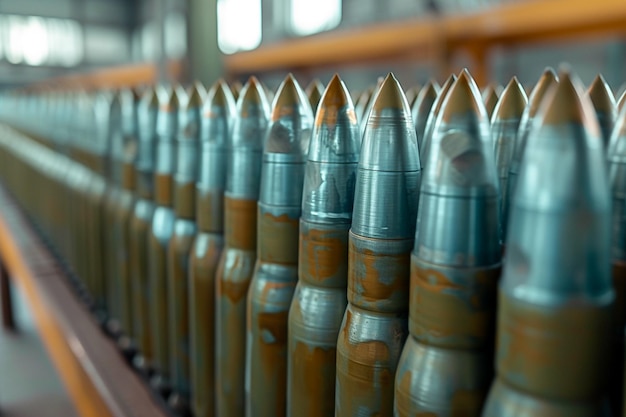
<point x="547" y="80"/>
<point x="461" y="156"/>
<point x="291" y="120"/>
<point x="220" y="95"/>
<point x="461" y="99"/>
<point x="189" y="113"/>
<point x="246" y="142"/>
<point x="335" y="135"/>
<point x="565" y="103"/>
<point x="235" y="89"/>
<point x="333" y="155"/>
<point x="150" y="98"/>
<point x="314" y="92"/>
<point x="512" y="102"/>
<point x="252" y="116"/>
<point x="253" y="92"/>
<point x="562" y="195"/>
<point x="146" y="115"/>
<point x="601" y="95"/>
<point x="603" y="102"/>
<point x="421" y="108"/>
<point x="389" y="95"/>
<point x="168" y="99"/>
<point x="432" y="116"/>
<point x="490" y="98"/>
<point x="193" y="97"/>
<point x="217" y="111"/>
<point x="389" y="115"/>
<point x="389" y="168"/>
<point x="505" y="124"/>
<point x="129" y="99"/>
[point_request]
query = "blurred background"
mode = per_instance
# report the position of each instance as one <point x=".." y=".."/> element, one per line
<point x="93" y="44"/>
<point x="129" y="41"/>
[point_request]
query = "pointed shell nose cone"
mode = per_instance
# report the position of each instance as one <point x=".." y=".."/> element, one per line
<point x="188" y="138"/>
<point x="189" y="113"/>
<point x="389" y="118"/>
<point x="421" y="109"/>
<point x="361" y="104"/>
<point x="167" y="118"/>
<point x="504" y="127"/>
<point x="150" y="98"/>
<point x="546" y="81"/>
<point x="235" y="90"/>
<point x="459" y="193"/>
<point x="512" y="102"/>
<point x="563" y="197"/>
<point x="215" y="128"/>
<point x="389" y="168"/>
<point x="335" y="126"/>
<point x="370" y="102"/>
<point x="566" y="103"/>
<point x="195" y="96"/>
<point x="217" y="111"/>
<point x="286" y="147"/>
<point x="146" y="113"/>
<point x="147" y="117"/>
<point x="129" y="100"/>
<point x="490" y="98"/>
<point x="333" y="155"/>
<point x="252" y="114"/>
<point x="290" y="127"/>
<point x="603" y="102"/>
<point x="432" y="116"/>
<point x="246" y="142"/>
<point x="314" y="92"/>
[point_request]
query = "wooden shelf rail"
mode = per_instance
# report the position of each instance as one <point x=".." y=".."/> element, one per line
<point x="519" y="22"/>
<point x="111" y="77"/>
<point x="99" y="381"/>
<point x="435" y="38"/>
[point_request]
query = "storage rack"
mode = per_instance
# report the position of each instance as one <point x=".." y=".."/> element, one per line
<point x="98" y="378"/>
<point x="438" y="38"/>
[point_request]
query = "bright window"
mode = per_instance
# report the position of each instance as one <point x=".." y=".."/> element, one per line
<point x="238" y="25"/>
<point x="175" y="35"/>
<point x="308" y="17"/>
<point x="37" y="40"/>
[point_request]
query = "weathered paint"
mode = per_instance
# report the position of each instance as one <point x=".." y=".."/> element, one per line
<point x="203" y="264"/>
<point x="178" y="253"/>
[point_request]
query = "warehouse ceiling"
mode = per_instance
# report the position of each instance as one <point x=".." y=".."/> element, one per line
<point x="43" y="38"/>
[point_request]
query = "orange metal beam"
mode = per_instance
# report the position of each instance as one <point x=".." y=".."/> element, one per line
<point x="61" y="348"/>
<point x="111" y="77"/>
<point x="339" y="47"/>
<point x="99" y="381"/>
<point x="518" y="22"/>
<point x="538" y="20"/>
